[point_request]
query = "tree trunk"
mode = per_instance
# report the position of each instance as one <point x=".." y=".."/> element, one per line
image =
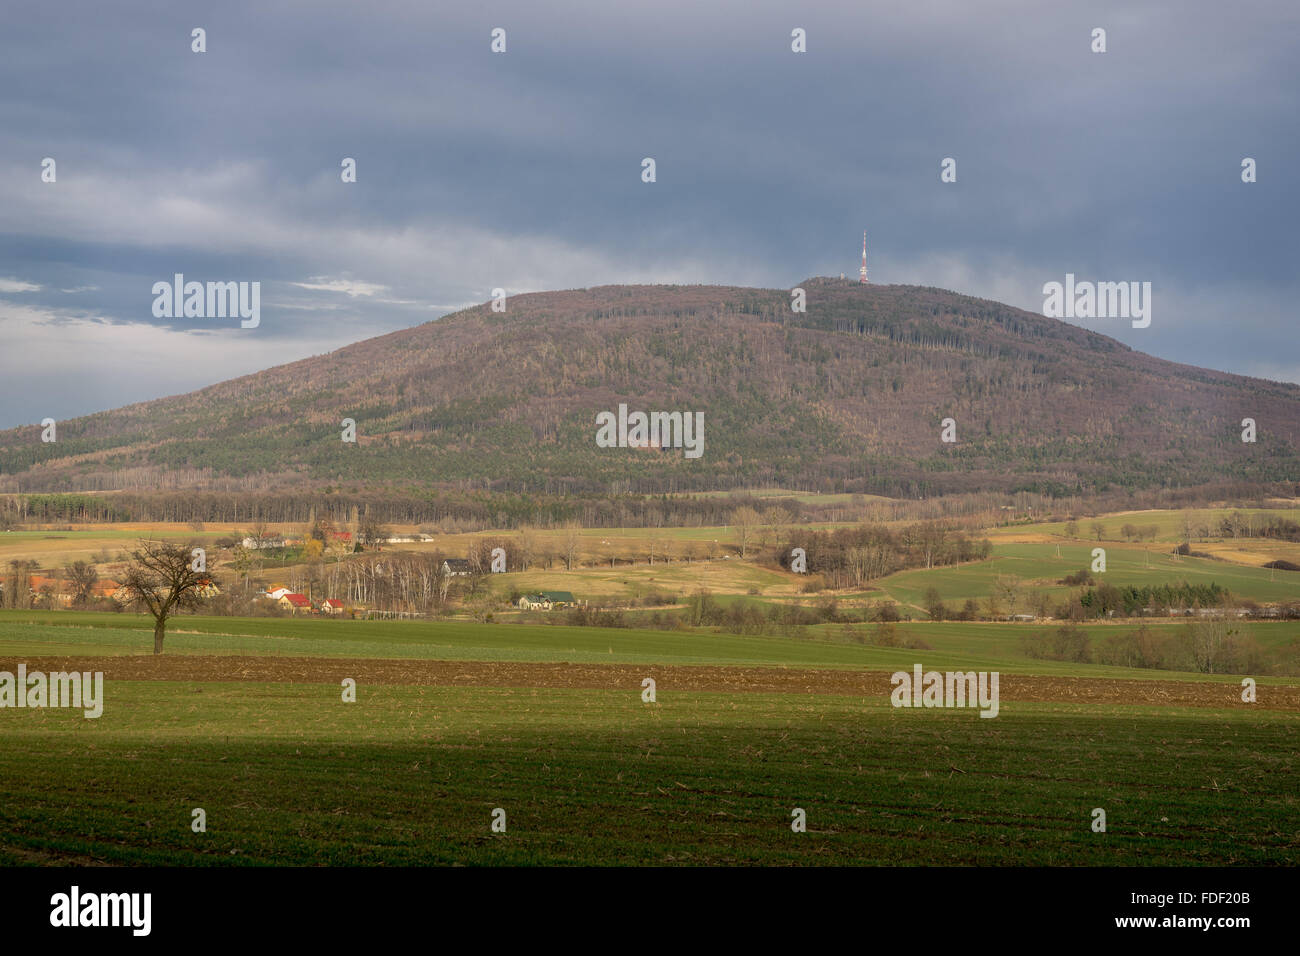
<point x="159" y="632"/>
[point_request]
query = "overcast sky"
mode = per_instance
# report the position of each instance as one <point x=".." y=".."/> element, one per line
<point x="523" y="170"/>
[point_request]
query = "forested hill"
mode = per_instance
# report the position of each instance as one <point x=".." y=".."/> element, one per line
<point x="849" y="395"/>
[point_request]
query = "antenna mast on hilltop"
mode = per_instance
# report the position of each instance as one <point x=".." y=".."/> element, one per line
<point x="862" y="273"/>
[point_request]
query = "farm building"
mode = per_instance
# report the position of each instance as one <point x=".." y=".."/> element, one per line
<point x="546" y="600"/>
<point x="457" y="567"/>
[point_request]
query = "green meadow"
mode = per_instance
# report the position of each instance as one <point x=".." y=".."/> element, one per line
<point x="952" y="644"/>
<point x="288" y="774"/>
<point x="1039" y="567"/>
<point x="1171" y="525"/>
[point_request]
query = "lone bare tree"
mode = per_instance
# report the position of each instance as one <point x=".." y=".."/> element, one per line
<point x="81" y="578"/>
<point x="747" y="522"/>
<point x="1006" y="590"/>
<point x="162" y="576"/>
<point x="571" y="541"/>
<point x="1211" y="644"/>
<point x="18" y="586"/>
<point x="526" y="551"/>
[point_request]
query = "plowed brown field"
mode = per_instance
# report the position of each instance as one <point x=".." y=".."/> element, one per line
<point x="628" y="677"/>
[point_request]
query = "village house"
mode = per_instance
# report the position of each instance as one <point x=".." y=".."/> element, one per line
<point x="560" y="598"/>
<point x="545" y="600"/>
<point x="457" y="567"/>
<point x="54" y="589"/>
<point x="331" y="606"/>
<point x="295" y="603"/>
<point x="60" y="593"/>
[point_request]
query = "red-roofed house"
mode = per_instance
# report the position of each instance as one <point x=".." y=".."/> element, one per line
<point x="57" y="590"/>
<point x="105" y="588"/>
<point x="295" y="603"/>
<point x="331" y="606"/>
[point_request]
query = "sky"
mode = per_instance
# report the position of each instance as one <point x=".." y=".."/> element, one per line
<point x="523" y="170"/>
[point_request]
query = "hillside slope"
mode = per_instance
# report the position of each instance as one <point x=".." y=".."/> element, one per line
<point x="848" y="396"/>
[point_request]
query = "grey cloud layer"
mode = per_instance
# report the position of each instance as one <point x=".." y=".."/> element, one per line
<point x="522" y="170"/>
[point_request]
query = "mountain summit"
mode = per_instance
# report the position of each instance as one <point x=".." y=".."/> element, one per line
<point x="850" y="395"/>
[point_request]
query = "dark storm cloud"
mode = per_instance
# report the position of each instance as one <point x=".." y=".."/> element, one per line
<point x="523" y="170"/>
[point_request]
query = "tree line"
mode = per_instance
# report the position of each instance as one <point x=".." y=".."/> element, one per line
<point x="850" y="557"/>
<point x="1211" y="646"/>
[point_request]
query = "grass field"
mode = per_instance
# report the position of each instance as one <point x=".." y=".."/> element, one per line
<point x="288" y="774"/>
<point x="1171" y="525"/>
<point x="410" y="774"/>
<point x="1038" y="565"/>
<point x="957" y="645"/>
<point x="243" y="717"/>
<point x="1038" y="553"/>
<point x="1040" y="568"/>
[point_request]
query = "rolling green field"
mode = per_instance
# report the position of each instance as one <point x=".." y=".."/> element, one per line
<point x="953" y="644"/>
<point x="1040" y="568"/>
<point x="410" y="774"/>
<point x="1170" y="524"/>
<point x="407" y="775"/>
